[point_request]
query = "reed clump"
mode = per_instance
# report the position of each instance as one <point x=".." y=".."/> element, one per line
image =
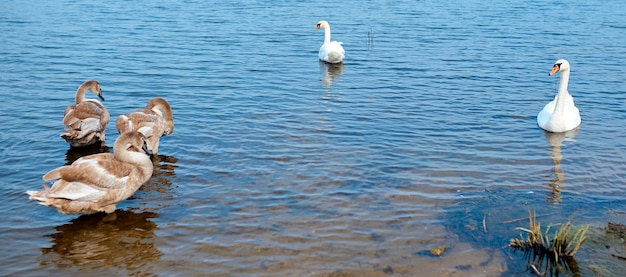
<point x="553" y="248"/>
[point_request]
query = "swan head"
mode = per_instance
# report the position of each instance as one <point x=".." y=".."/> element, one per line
<point x="131" y="142"/>
<point x="322" y="24"/>
<point x="93" y="86"/>
<point x="559" y="66"/>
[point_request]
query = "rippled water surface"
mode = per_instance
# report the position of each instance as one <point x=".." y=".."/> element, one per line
<point x="280" y="165"/>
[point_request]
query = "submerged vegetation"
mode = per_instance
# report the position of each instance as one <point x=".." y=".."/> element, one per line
<point x="550" y="250"/>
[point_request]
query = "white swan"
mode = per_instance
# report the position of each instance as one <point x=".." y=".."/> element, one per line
<point x="330" y="51"/>
<point x="85" y="121"/>
<point x="153" y="122"/>
<point x="560" y="115"/>
<point x="96" y="183"/>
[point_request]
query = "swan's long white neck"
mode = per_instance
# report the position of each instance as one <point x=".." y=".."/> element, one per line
<point x="327" y="34"/>
<point x="562" y="94"/>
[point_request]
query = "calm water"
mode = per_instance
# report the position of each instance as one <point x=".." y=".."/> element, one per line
<point x="282" y="166"/>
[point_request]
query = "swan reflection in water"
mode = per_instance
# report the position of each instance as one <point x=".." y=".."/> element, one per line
<point x="74" y="153"/>
<point x="122" y="239"/>
<point x="330" y="72"/>
<point x="555" y="141"/>
<point x="155" y="193"/>
<point x="164" y="170"/>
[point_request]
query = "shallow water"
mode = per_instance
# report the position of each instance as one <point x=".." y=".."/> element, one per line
<point x="280" y="165"/>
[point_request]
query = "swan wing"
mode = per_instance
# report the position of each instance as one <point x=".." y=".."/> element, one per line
<point x="123" y="124"/>
<point x="83" y="111"/>
<point x="568" y="121"/>
<point x="147" y="130"/>
<point x="53" y="174"/>
<point x="543" y="117"/>
<point x="332" y="52"/>
<point x="69" y="119"/>
<point x="337" y="47"/>
<point x="569" y="100"/>
<point x="75" y="191"/>
<point x="573" y="116"/>
<point x="89" y="125"/>
<point x="140" y="121"/>
<point x="100" y="171"/>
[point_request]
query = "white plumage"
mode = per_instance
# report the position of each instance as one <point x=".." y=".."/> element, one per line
<point x="560" y="115"/>
<point x="330" y="51"/>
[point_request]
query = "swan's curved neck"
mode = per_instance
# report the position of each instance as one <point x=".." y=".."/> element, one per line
<point x="137" y="158"/>
<point x="327" y="34"/>
<point x="562" y="94"/>
<point x="80" y="94"/>
<point x="168" y="114"/>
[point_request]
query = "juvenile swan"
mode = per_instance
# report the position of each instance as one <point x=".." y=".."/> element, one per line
<point x="85" y="122"/>
<point x="153" y="122"/>
<point x="96" y="183"/>
<point x="330" y="51"/>
<point x="560" y="115"/>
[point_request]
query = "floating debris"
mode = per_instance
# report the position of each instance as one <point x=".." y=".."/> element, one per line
<point x="618" y="250"/>
<point x="617" y="228"/>
<point x="437" y="251"/>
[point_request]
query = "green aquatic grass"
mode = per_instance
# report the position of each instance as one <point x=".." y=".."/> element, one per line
<point x="554" y="248"/>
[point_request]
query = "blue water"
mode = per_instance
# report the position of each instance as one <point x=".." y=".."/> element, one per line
<point x="280" y="165"/>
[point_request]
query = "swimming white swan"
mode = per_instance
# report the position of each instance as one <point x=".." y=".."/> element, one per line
<point x="153" y="122"/>
<point x="330" y="51"/>
<point x="96" y="183"/>
<point x="86" y="121"/>
<point x="560" y="115"/>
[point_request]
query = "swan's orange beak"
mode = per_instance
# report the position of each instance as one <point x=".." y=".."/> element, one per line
<point x="316" y="27"/>
<point x="555" y="69"/>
